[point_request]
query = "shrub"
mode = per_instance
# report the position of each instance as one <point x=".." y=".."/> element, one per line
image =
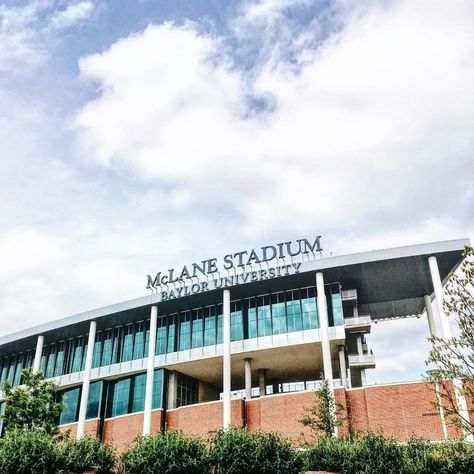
<point x="168" y="453"/>
<point x="331" y="454"/>
<point x="28" y="451"/>
<point x="86" y="454"/>
<point x="450" y="458"/>
<point x="375" y="454"/>
<point x="236" y="450"/>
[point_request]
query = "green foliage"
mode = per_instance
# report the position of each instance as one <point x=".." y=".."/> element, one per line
<point x="373" y="454"/>
<point x="236" y="451"/>
<point x="86" y="454"/>
<point x="331" y="454"/>
<point x="33" y="405"/>
<point x="168" y="453"/>
<point x="28" y="451"/>
<point x="322" y="416"/>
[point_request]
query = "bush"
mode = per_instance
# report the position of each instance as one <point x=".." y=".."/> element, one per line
<point x="331" y="454"/>
<point x="236" y="450"/>
<point x="86" y="454"/>
<point x="28" y="451"/>
<point x="369" y="454"/>
<point x="450" y="458"/>
<point x="168" y="453"/>
<point x="374" y="454"/>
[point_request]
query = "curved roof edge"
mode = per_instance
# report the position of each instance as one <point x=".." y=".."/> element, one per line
<point x="306" y="266"/>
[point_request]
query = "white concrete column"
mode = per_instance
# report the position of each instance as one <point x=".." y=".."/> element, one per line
<point x="262" y="381"/>
<point x="430" y="316"/>
<point x="86" y="381"/>
<point x="248" y="379"/>
<point x="38" y="353"/>
<point x="172" y="389"/>
<point x="360" y="350"/>
<point x="324" y="331"/>
<point x="342" y="365"/>
<point x="150" y="371"/>
<point x="439" y="295"/>
<point x="226" y="359"/>
<point x="363" y="378"/>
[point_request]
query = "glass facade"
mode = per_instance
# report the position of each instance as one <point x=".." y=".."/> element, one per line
<point x="259" y="316"/>
<point x="72" y="399"/>
<point x="127" y="395"/>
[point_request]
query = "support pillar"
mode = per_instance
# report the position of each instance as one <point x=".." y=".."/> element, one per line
<point x="248" y="379"/>
<point x="226" y="360"/>
<point x="86" y="381"/>
<point x="324" y="331"/>
<point x="342" y="365"/>
<point x="172" y="389"/>
<point x="262" y="381"/>
<point x="38" y="353"/>
<point x="430" y="316"/>
<point x="150" y="371"/>
<point x="439" y="295"/>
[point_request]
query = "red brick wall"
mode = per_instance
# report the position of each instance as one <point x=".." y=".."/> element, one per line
<point x="121" y="431"/>
<point x="91" y="428"/>
<point x="399" y="410"/>
<point x="204" y="419"/>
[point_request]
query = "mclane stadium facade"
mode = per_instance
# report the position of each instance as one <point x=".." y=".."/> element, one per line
<point x="244" y="341"/>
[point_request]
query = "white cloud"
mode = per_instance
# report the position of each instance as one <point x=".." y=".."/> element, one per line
<point x="367" y="129"/>
<point x="27" y="32"/>
<point x="72" y="15"/>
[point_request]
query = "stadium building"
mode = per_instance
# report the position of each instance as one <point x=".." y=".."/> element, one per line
<point x="244" y="341"/>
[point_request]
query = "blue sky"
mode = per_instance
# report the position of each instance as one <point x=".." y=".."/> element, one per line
<point x="138" y="135"/>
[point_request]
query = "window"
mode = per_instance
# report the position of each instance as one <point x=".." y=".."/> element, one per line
<point x="158" y="381"/>
<point x="50" y="359"/>
<point x="127" y="343"/>
<point x="184" y="330"/>
<point x="77" y="355"/>
<point x="187" y="390"/>
<point x="138" y="393"/>
<point x="279" y="314"/>
<point x="59" y="367"/>
<point x="139" y="342"/>
<point x="96" y="356"/>
<point x="264" y="316"/>
<point x="219" y="324"/>
<point x="93" y="404"/>
<point x="337" y="311"/>
<point x="209" y="326"/>
<point x="70" y="410"/>
<point x="252" y="317"/>
<point x="293" y="309"/>
<point x="19" y="367"/>
<point x="120" y="397"/>
<point x="309" y="308"/>
<point x="197" y="336"/>
<point x="107" y="347"/>
<point x="172" y="334"/>
<point x="127" y="395"/>
<point x="161" y="337"/>
<point x="236" y="322"/>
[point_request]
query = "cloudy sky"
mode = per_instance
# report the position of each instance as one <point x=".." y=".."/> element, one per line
<point x="136" y="135"/>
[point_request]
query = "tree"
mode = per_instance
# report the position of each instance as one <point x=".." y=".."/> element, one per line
<point x="33" y="405"/>
<point x="322" y="416"/>
<point x="454" y="357"/>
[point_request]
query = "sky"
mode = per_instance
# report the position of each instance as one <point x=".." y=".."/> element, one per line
<point x="138" y="135"/>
